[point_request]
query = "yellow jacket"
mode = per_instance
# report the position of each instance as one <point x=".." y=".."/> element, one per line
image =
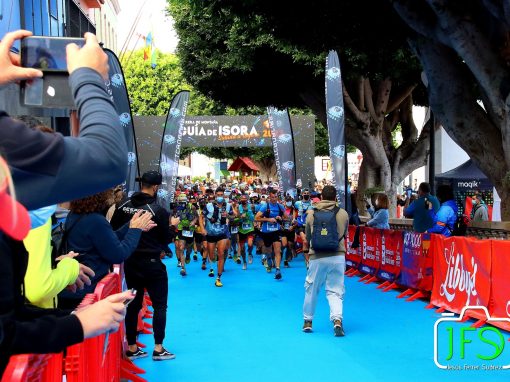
<point x="42" y="283"/>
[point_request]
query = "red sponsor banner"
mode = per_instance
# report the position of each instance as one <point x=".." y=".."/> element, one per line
<point x="353" y="256"/>
<point x="392" y="244"/>
<point x="370" y="241"/>
<point x="500" y="288"/>
<point x="417" y="262"/>
<point x="462" y="269"/>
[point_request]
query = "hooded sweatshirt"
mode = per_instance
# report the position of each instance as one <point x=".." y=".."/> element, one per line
<point x="342" y="220"/>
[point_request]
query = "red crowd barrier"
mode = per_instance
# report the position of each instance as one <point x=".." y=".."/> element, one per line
<point x="500" y="289"/>
<point x="462" y="269"/>
<point x="98" y="358"/>
<point x="34" y="368"/>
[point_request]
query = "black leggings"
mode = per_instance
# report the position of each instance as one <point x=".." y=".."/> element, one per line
<point x="150" y="274"/>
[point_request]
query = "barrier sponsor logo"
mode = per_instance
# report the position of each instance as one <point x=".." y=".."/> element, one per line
<point x="458" y="277"/>
<point x="458" y="346"/>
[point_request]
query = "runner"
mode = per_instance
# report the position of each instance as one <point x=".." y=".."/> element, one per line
<point x="302" y="206"/>
<point x="200" y="240"/>
<point x="246" y="229"/>
<point x="215" y="217"/>
<point x="271" y="215"/>
<point x="188" y="220"/>
<point x="288" y="231"/>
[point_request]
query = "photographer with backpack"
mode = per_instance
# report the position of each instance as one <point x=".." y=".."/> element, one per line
<point x="326" y="226"/>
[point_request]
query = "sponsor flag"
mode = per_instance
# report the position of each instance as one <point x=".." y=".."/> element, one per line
<point x="283" y="147"/>
<point x="171" y="147"/>
<point x="147" y="51"/>
<point x="336" y="129"/>
<point x="117" y="90"/>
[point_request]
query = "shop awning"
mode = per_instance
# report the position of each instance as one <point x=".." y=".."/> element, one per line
<point x="243" y="164"/>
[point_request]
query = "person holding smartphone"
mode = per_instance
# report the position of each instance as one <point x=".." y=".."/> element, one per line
<point x="46" y="169"/>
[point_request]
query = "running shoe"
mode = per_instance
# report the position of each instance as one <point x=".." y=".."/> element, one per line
<point x="195" y="257"/>
<point x="139" y="353"/>
<point x="211" y="273"/>
<point x="183" y="272"/>
<point x="286" y="264"/>
<point x="250" y="258"/>
<point x="188" y="258"/>
<point x="179" y="264"/>
<point x="204" y="267"/>
<point x="268" y="269"/>
<point x="307" y="326"/>
<point x="338" y="328"/>
<point x="244" y="266"/>
<point x="162" y="355"/>
<point x="218" y="283"/>
<point x="278" y="275"/>
<point x="237" y="260"/>
<point x="264" y="260"/>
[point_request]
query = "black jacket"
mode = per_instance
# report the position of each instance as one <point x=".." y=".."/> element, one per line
<point x="153" y="242"/>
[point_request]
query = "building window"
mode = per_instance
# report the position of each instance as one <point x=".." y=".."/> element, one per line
<point x="325" y="164"/>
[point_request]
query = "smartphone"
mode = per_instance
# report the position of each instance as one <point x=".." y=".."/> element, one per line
<point x="133" y="292"/>
<point x="47" y="53"/>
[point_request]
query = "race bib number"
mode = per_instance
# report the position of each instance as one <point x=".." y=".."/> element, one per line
<point x="234" y="229"/>
<point x="246" y="226"/>
<point x="187" y="233"/>
<point x="272" y="227"/>
<point x="286" y="225"/>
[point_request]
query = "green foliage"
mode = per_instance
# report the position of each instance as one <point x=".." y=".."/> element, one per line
<point x="373" y="190"/>
<point x="151" y="90"/>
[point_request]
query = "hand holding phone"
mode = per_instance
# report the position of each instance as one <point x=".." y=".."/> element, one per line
<point x="128" y="301"/>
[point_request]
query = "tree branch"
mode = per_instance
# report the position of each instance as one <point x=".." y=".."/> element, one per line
<point x="455" y="105"/>
<point x="383" y="96"/>
<point x="399" y="97"/>
<point x="361" y="93"/>
<point x="488" y="67"/>
<point x="369" y="101"/>
<point x="359" y="116"/>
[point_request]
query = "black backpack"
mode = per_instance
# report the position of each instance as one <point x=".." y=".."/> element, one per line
<point x="460" y="226"/>
<point x="325" y="236"/>
<point x="59" y="237"/>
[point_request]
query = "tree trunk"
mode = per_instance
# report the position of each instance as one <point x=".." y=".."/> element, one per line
<point x="267" y="169"/>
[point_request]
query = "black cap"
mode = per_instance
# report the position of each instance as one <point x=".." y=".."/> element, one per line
<point x="151" y="177"/>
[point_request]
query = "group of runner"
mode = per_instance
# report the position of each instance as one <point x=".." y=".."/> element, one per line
<point x="232" y="223"/>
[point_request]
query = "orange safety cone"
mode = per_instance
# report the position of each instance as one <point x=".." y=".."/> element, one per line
<point x="406" y="293"/>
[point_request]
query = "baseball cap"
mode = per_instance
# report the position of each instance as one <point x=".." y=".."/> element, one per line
<point x="150" y="177"/>
<point x="14" y="218"/>
<point x="182" y="198"/>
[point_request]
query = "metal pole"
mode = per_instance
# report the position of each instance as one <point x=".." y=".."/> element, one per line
<point x="432" y="156"/>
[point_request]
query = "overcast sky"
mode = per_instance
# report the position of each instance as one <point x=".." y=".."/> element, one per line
<point x="152" y="19"/>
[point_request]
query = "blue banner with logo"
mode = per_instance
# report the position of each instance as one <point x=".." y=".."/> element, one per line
<point x="336" y="129"/>
<point x="283" y="147"/>
<point x="171" y="147"/>
<point x="116" y="87"/>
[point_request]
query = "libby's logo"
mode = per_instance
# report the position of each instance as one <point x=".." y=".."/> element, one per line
<point x="458" y="277"/>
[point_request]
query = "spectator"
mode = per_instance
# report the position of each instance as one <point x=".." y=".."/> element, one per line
<point x="45" y="171"/>
<point x="417" y="211"/>
<point x="99" y="247"/>
<point x="480" y="211"/>
<point x="445" y="218"/>
<point x="326" y="267"/>
<point x="145" y="270"/>
<point x="380" y="215"/>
